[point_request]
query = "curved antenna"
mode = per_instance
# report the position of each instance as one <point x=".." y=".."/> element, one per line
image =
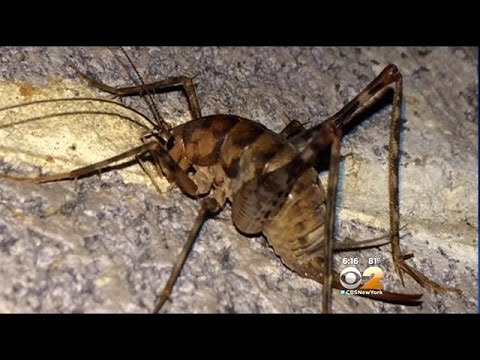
<point x="36" y="102"/>
<point x="151" y="104"/>
<point x="71" y="113"/>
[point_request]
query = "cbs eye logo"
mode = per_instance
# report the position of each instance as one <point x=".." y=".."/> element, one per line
<point x="351" y="278"/>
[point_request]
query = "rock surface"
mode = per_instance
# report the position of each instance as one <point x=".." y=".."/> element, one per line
<point x="108" y="245"/>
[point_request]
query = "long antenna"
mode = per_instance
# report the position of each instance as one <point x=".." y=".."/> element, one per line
<point x="151" y="104"/>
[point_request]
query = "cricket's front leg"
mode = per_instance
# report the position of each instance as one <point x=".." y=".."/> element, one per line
<point x="86" y="170"/>
<point x="209" y="207"/>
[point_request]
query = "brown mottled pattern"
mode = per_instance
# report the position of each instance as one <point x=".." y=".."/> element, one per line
<point x="294" y="237"/>
<point x="244" y="133"/>
<point x="203" y="138"/>
<point x="258" y="191"/>
<point x="266" y="195"/>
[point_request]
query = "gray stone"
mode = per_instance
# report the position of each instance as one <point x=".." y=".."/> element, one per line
<point x="108" y="245"/>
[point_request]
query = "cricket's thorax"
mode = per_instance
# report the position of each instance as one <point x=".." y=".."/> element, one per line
<point x="228" y="154"/>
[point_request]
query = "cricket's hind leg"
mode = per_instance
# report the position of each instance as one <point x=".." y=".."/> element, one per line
<point x="345" y="119"/>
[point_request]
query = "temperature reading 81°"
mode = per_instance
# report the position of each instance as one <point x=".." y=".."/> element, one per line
<point x="373" y="261"/>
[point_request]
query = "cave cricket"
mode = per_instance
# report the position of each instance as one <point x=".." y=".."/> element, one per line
<point x="270" y="179"/>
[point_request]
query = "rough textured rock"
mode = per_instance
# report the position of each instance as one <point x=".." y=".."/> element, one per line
<point x="109" y="244"/>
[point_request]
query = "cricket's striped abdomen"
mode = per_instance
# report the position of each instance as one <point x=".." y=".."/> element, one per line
<point x="243" y="156"/>
<point x="296" y="232"/>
